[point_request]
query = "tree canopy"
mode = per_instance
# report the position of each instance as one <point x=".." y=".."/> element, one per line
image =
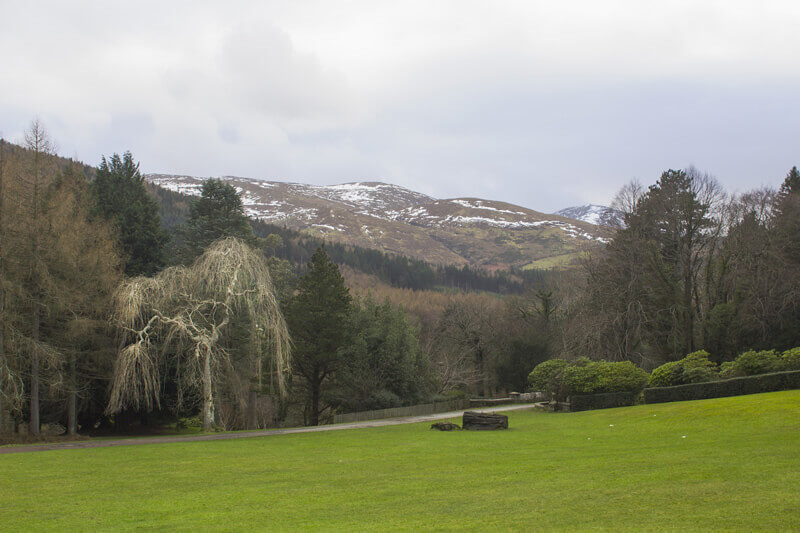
<point x="217" y="213"/>
<point x="317" y="317"/>
<point x="120" y="196"/>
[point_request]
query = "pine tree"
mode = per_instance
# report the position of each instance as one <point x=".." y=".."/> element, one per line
<point x="216" y="214"/>
<point x="120" y="196"/>
<point x="317" y="318"/>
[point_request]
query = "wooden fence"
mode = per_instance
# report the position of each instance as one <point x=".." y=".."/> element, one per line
<point x="395" y="412"/>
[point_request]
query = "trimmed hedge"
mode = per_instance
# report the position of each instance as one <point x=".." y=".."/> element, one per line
<point x="729" y="387"/>
<point x="587" y="402"/>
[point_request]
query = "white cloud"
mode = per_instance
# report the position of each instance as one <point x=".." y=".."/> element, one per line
<point x="534" y="102"/>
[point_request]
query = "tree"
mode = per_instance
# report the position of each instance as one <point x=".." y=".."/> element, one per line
<point x="120" y="196"/>
<point x="473" y="326"/>
<point x="647" y="296"/>
<point x="317" y="317"/>
<point x="382" y="364"/>
<point x="82" y="271"/>
<point x="190" y="310"/>
<point x="57" y="274"/>
<point x="216" y="214"/>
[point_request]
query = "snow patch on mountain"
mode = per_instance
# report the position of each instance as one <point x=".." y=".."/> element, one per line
<point x="599" y="215"/>
<point x="296" y="203"/>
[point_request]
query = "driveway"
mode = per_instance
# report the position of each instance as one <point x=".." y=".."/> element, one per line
<point x="251" y="434"/>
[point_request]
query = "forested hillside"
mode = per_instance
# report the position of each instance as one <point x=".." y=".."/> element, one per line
<point x="459" y="231"/>
<point x="126" y="307"/>
<point x="394" y="269"/>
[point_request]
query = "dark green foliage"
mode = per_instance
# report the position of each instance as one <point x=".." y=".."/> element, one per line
<point x="694" y="368"/>
<point x="317" y="317"/>
<point x="595" y="377"/>
<point x="729" y="387"/>
<point x="216" y="214"/>
<point x="586" y="402"/>
<point x="791" y="359"/>
<point x="583" y="376"/>
<point x="751" y="363"/>
<point x="546" y="377"/>
<point x="398" y="270"/>
<point x="520" y="354"/>
<point x="119" y="195"/>
<point x="381" y="362"/>
<point x="791" y="185"/>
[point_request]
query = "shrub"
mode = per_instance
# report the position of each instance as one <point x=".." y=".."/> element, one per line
<point x="729" y="369"/>
<point x="752" y="363"/>
<point x="597" y="377"/>
<point x="694" y="368"/>
<point x="791" y="359"/>
<point x="546" y="376"/>
<point x="666" y="375"/>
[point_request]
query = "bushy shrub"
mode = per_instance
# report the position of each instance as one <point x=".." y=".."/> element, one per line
<point x="694" y="368"/>
<point x="596" y="377"/>
<point x="728" y="370"/>
<point x="791" y="359"/>
<point x="546" y="376"/>
<point x="666" y="375"/>
<point x="752" y="363"/>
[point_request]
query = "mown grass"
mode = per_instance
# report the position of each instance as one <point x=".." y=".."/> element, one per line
<point x="738" y="468"/>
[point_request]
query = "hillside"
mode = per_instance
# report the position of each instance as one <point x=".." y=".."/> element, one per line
<point x="461" y="231"/>
<point x="599" y="215"/>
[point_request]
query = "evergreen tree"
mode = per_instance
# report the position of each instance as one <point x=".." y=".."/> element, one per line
<point x="120" y="196"/>
<point x="791" y="185"/>
<point x="317" y="318"/>
<point x="785" y="260"/>
<point x="216" y="214"/>
<point x="382" y="364"/>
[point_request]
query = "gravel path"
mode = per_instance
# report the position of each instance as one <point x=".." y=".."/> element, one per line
<point x="250" y="434"/>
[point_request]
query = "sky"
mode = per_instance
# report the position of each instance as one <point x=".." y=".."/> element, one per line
<point x="543" y="104"/>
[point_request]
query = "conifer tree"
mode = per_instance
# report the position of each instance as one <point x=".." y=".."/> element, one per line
<point x="216" y="214"/>
<point x="120" y="196"/>
<point x="317" y="318"/>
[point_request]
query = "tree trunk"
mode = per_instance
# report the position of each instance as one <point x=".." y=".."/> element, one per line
<point x="484" y="421"/>
<point x="252" y="410"/>
<point x="3" y="416"/>
<point x="34" y="420"/>
<point x="208" y="403"/>
<point x="688" y="309"/>
<point x="72" y="399"/>
<point x="485" y="372"/>
<point x="315" y="387"/>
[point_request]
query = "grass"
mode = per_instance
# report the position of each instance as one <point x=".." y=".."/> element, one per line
<point x="556" y="261"/>
<point x="738" y="468"/>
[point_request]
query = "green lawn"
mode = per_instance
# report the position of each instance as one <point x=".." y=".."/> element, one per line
<point x="738" y="468"/>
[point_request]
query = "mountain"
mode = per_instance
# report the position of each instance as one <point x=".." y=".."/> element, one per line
<point x="598" y="215"/>
<point x="394" y="219"/>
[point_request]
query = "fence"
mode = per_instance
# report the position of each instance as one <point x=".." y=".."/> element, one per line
<point x="412" y="410"/>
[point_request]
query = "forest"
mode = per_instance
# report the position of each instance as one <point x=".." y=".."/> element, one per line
<point x="124" y="307"/>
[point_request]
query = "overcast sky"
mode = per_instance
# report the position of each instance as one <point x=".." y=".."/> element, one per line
<point x="541" y="103"/>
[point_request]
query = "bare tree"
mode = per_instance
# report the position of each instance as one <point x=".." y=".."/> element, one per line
<point x="190" y="309"/>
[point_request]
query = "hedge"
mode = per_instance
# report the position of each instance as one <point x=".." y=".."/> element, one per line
<point x="586" y="402"/>
<point x="729" y="387"/>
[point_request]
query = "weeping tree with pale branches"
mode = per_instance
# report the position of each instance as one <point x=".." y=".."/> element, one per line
<point x="189" y="311"/>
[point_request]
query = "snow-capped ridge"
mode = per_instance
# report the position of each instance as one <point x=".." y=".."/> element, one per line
<point x="599" y="215"/>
